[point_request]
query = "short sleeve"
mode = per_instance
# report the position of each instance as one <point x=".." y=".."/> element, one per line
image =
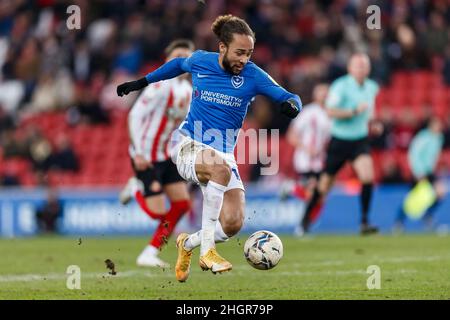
<point x="334" y="98"/>
<point x="190" y="61"/>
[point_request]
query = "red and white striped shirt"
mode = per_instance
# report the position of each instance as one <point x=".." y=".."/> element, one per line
<point x="155" y="114"/>
<point x="312" y="128"/>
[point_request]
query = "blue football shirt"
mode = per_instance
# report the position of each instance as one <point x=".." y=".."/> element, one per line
<point x="220" y="100"/>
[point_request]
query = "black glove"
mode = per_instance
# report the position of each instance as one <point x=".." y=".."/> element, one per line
<point x="127" y="87"/>
<point x="290" y="108"/>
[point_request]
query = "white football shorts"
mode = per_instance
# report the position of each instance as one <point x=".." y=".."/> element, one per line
<point x="184" y="154"/>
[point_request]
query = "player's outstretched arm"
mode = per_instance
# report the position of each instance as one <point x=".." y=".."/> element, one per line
<point x="290" y="104"/>
<point x="169" y="70"/>
<point x="127" y="87"/>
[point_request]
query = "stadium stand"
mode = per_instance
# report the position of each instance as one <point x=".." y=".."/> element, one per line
<point x="299" y="43"/>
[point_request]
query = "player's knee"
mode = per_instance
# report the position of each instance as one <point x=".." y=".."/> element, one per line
<point x="366" y="178"/>
<point x="232" y="224"/>
<point x="221" y="173"/>
<point x="155" y="208"/>
<point x="324" y="186"/>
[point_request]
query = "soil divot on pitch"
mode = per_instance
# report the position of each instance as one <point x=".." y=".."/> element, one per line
<point x="110" y="265"/>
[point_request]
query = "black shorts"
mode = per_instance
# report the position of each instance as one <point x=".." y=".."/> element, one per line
<point x="305" y="176"/>
<point x="340" y="151"/>
<point x="430" y="177"/>
<point x="159" y="175"/>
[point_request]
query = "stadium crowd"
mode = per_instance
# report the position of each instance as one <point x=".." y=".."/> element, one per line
<point x="45" y="67"/>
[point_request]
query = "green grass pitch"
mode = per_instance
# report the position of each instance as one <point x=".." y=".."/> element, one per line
<point x="414" y="266"/>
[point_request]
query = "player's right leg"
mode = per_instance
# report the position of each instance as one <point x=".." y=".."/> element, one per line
<point x="146" y="187"/>
<point x="213" y="171"/>
<point x="304" y="188"/>
<point x="156" y="204"/>
<point x="315" y="203"/>
<point x="143" y="187"/>
<point x="337" y="155"/>
<point x="230" y="222"/>
<point x="199" y="163"/>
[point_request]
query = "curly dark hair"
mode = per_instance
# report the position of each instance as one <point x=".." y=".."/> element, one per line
<point x="225" y="26"/>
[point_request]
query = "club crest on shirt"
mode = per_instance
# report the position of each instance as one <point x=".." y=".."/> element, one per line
<point x="237" y="81"/>
<point x="195" y="92"/>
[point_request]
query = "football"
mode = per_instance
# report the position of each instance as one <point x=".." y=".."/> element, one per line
<point x="263" y="250"/>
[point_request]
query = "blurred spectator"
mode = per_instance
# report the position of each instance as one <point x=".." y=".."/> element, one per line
<point x="8" y="175"/>
<point x="385" y="139"/>
<point x="109" y="100"/>
<point x="446" y="69"/>
<point x="129" y="58"/>
<point x="81" y="62"/>
<point x="6" y="121"/>
<point x="45" y="95"/>
<point x="63" y="157"/>
<point x="40" y="152"/>
<point x="405" y="129"/>
<point x="87" y="109"/>
<point x="12" y="146"/>
<point x="406" y="53"/>
<point x="27" y="65"/>
<point x="437" y="36"/>
<point x="52" y="92"/>
<point x="47" y="216"/>
<point x="9" y="180"/>
<point x="380" y="67"/>
<point x="447" y="133"/>
<point x="11" y="94"/>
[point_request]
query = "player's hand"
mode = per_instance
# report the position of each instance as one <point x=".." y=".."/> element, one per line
<point x="314" y="151"/>
<point x="124" y="89"/>
<point x="361" y="108"/>
<point x="377" y="128"/>
<point x="440" y="189"/>
<point x="127" y="87"/>
<point x="140" y="163"/>
<point x="290" y="109"/>
<point x="311" y="152"/>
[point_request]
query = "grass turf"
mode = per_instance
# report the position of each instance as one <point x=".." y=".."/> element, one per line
<point x="319" y="267"/>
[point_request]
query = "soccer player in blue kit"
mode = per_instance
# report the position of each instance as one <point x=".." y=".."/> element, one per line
<point x="224" y="84"/>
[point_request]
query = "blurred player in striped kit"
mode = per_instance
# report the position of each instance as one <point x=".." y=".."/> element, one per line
<point x="350" y="103"/>
<point x="309" y="134"/>
<point x="156" y="113"/>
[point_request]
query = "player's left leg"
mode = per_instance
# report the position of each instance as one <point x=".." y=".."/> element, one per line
<point x="315" y="202"/>
<point x="230" y="222"/>
<point x="337" y="155"/>
<point x="311" y="184"/>
<point x="363" y="166"/>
